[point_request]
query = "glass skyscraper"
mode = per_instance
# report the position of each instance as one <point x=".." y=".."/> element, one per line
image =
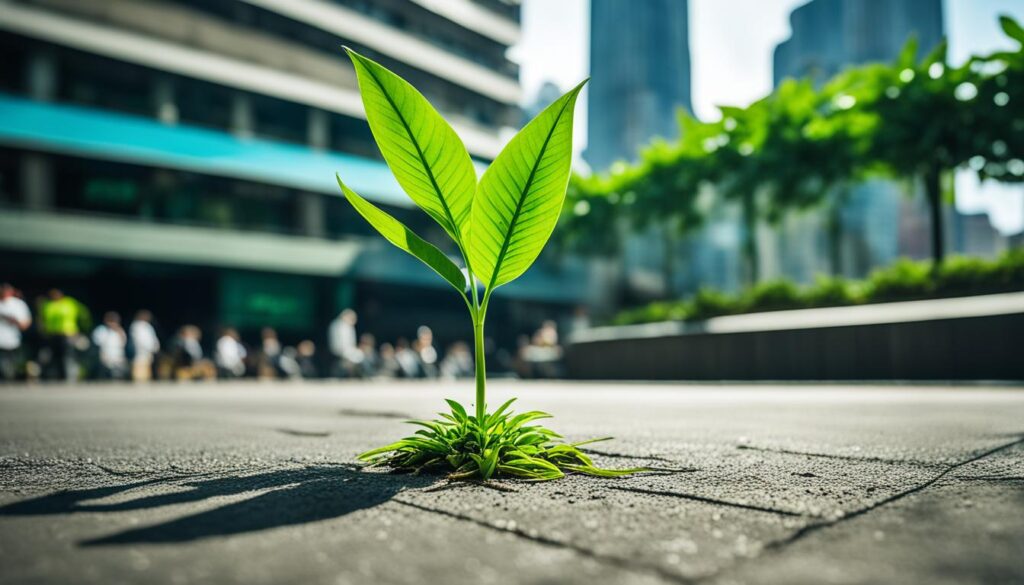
<point x="829" y="35"/>
<point x="640" y="75"/>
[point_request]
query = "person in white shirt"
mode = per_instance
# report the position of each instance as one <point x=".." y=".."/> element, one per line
<point x="343" y="343"/>
<point x="111" y="339"/>
<point x="230" y="355"/>
<point x="187" y="356"/>
<point x="145" y="344"/>
<point x="14" y="318"/>
<point x="428" y="354"/>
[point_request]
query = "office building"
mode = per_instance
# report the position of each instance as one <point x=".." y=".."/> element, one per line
<point x="179" y="155"/>
<point x="640" y="76"/>
<point x="829" y="35"/>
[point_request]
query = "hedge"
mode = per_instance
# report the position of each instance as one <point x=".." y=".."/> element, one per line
<point x="903" y="280"/>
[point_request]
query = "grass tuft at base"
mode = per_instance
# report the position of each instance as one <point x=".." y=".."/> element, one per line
<point x="502" y="445"/>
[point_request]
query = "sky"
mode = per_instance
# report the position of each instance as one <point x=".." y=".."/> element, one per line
<point x="731" y="43"/>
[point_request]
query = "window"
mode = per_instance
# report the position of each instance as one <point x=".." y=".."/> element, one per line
<point x="14" y="72"/>
<point x="352" y="135"/>
<point x="102" y="83"/>
<point x="279" y="120"/>
<point x="203" y="104"/>
<point x="171" y="196"/>
<point x="10" y="177"/>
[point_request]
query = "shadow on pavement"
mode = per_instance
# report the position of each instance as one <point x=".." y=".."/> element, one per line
<point x="295" y="496"/>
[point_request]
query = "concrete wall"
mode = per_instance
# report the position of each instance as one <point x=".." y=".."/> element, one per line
<point x="957" y="345"/>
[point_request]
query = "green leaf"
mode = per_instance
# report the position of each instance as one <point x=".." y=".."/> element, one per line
<point x="937" y="55"/>
<point x="591" y="441"/>
<point x="521" y="194"/>
<point x="1012" y="28"/>
<point x="457" y="408"/>
<point x="426" y="156"/>
<point x="908" y="53"/>
<point x="498" y="414"/>
<point x="395" y="232"/>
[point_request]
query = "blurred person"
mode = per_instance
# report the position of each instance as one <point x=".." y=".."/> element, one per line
<point x="389" y="367"/>
<point x="144" y="345"/>
<point x="230" y="354"/>
<point x="580" y="320"/>
<point x="547" y="335"/>
<point x="543" y="354"/>
<point x="342" y="342"/>
<point x="187" y="355"/>
<point x="427" y="352"/>
<point x="371" y="361"/>
<point x="408" y="359"/>
<point x="15" y="317"/>
<point x="270" y="363"/>
<point x="288" y="363"/>
<point x="307" y="359"/>
<point x="110" y="340"/>
<point x="62" y="319"/>
<point x="457" y="362"/>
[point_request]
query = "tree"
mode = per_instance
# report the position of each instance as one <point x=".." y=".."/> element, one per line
<point x="932" y="119"/>
<point x="797" y="147"/>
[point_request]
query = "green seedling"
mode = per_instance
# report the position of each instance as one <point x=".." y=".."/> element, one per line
<point x="499" y="226"/>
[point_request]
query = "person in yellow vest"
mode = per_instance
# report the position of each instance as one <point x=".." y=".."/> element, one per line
<point x="62" y="319"/>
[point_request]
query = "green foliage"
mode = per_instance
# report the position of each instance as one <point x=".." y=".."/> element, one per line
<point x="500" y="226"/>
<point x="1012" y="28"/>
<point x="521" y="195"/>
<point x="709" y="303"/>
<point x="915" y="118"/>
<point x="901" y="281"/>
<point x="425" y="154"/>
<point x="830" y="291"/>
<point x="773" y="295"/>
<point x="404" y="238"/>
<point x="500" y="444"/>
<point x="972" y="275"/>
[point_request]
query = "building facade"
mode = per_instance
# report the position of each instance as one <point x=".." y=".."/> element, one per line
<point x="829" y="35"/>
<point x="639" y="76"/>
<point x="178" y="155"/>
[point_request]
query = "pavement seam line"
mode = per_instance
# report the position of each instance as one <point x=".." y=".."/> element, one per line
<point x="812" y="528"/>
<point x="628" y="456"/>
<point x="355" y="412"/>
<point x="840" y="457"/>
<point x="990" y="477"/>
<point x="778" y="545"/>
<point x="620" y="562"/>
<point x="711" y="501"/>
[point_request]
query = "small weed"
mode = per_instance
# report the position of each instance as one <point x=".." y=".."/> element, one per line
<point x="504" y="445"/>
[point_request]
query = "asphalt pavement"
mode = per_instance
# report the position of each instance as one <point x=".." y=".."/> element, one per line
<point x="257" y="483"/>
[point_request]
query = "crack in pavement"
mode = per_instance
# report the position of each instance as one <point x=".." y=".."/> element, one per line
<point x="616" y="561"/>
<point x="301" y="433"/>
<point x="996" y="478"/>
<point x="779" y="545"/>
<point x="628" y="456"/>
<point x="706" y="500"/>
<point x="840" y="457"/>
<point x="373" y="413"/>
<point x="812" y="528"/>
